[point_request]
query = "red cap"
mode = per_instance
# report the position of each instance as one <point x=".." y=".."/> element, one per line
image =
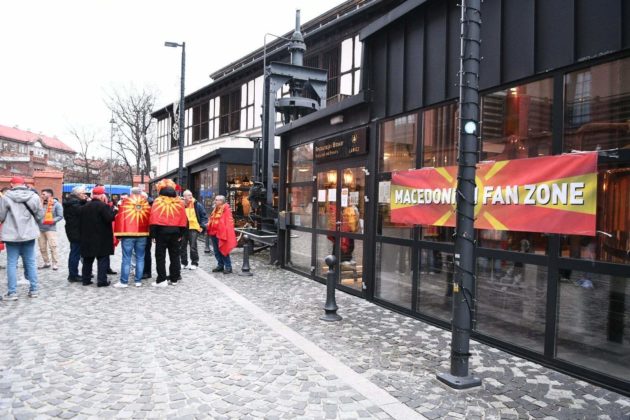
<point x="17" y="180"/>
<point x="98" y="191"/>
<point x="178" y="188"/>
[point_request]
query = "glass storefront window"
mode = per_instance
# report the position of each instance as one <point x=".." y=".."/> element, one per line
<point x="437" y="233"/>
<point x="527" y="242"/>
<point x="593" y="322"/>
<point x="394" y="274"/>
<point x="393" y="230"/>
<point x="597" y="111"/>
<point x="299" y="250"/>
<point x="300" y="205"/>
<point x="517" y="122"/>
<point x="398" y="144"/>
<point x="351" y="264"/>
<point x="300" y="163"/>
<point x="435" y="283"/>
<point x="511" y="298"/>
<point x="324" y="246"/>
<point x="440" y="136"/>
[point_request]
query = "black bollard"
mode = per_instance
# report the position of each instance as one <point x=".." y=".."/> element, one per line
<point x="330" y="308"/>
<point x="245" y="271"/>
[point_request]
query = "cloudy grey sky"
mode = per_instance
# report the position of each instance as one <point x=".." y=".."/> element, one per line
<point x="60" y="58"/>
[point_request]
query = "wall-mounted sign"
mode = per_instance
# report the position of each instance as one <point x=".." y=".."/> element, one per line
<point x="342" y="146"/>
<point x="552" y="194"/>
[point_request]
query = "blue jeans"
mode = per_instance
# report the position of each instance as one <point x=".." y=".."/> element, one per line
<point x="73" y="259"/>
<point x="222" y="261"/>
<point x="129" y="245"/>
<point x="27" y="251"/>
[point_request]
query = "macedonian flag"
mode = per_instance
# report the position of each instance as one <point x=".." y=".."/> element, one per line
<point x="132" y="218"/>
<point x="168" y="211"/>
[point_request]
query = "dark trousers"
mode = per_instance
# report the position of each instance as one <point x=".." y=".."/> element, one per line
<point x="222" y="261"/>
<point x="170" y="242"/>
<point x="147" y="258"/>
<point x="73" y="259"/>
<point x="208" y="241"/>
<point x="102" y="263"/>
<point x="190" y="238"/>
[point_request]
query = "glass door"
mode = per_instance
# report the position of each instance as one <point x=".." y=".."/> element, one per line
<point x="341" y="206"/>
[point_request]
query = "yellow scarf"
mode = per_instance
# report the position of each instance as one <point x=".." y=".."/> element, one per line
<point x="48" y="217"/>
<point x="193" y="223"/>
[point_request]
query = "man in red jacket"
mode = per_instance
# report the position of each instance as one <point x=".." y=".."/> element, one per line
<point x="221" y="231"/>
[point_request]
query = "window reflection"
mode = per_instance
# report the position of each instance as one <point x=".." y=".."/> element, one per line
<point x="435" y="283"/>
<point x="299" y="250"/>
<point x="300" y="205"/>
<point x="393" y="274"/>
<point x="439" y="136"/>
<point x="398" y="144"/>
<point x="300" y="163"/>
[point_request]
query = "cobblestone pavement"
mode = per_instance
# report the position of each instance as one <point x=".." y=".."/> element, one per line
<point x="192" y="351"/>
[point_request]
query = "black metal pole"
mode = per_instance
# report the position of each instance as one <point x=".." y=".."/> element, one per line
<point x="330" y="308"/>
<point x="180" y="140"/>
<point x="464" y="263"/>
<point x="245" y="270"/>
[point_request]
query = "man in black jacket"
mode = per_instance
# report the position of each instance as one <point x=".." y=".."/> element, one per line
<point x="97" y="237"/>
<point x="72" y="212"/>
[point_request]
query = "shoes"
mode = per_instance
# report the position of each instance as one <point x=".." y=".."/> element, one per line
<point x="227" y="271"/>
<point x="138" y="284"/>
<point x="120" y="285"/>
<point x="172" y="283"/>
<point x="192" y="267"/>
<point x="207" y="251"/>
<point x="44" y="266"/>
<point x="163" y="283"/>
<point x="146" y="276"/>
<point x="73" y="279"/>
<point x="111" y="272"/>
<point x="87" y="283"/>
<point x="217" y="269"/>
<point x="185" y="266"/>
<point x="107" y="283"/>
<point x="10" y="296"/>
<point x="33" y="294"/>
<point x="54" y="267"/>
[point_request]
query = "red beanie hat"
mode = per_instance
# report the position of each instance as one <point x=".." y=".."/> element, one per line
<point x="17" y="180"/>
<point x="98" y="191"/>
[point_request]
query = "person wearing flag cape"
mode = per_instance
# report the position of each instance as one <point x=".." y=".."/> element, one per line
<point x="221" y="231"/>
<point x="48" y="229"/>
<point x="168" y="223"/>
<point x="131" y="226"/>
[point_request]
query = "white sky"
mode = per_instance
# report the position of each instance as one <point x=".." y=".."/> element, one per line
<point x="59" y="58"/>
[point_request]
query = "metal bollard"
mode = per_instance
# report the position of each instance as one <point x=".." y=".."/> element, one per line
<point x="330" y="308"/>
<point x="245" y="271"/>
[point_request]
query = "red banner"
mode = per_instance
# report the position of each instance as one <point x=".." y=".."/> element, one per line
<point x="132" y="218"/>
<point x="553" y="194"/>
<point x="168" y="211"/>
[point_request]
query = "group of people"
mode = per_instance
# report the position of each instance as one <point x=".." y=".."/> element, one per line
<point x="95" y="226"/>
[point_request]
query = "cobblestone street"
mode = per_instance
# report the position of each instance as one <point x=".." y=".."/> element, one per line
<point x="219" y="346"/>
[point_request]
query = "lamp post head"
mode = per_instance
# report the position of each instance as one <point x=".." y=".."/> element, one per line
<point x="172" y="44"/>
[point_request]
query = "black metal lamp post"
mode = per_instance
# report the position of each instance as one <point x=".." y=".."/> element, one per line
<point x="180" y="139"/>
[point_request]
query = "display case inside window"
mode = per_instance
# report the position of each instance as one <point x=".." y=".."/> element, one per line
<point x="517" y="122"/>
<point x="398" y="144"/>
<point x="440" y="136"/>
<point x="300" y="163"/>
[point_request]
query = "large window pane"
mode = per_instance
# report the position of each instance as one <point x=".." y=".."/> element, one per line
<point x="437" y="233"/>
<point x="300" y="205"/>
<point x="299" y="250"/>
<point x="324" y="246"/>
<point x="351" y="264"/>
<point x="393" y="230"/>
<point x="435" y="284"/>
<point x="517" y="122"/>
<point x="594" y="322"/>
<point x="398" y="144"/>
<point x="511" y="298"/>
<point x="528" y="242"/>
<point x="300" y="163"/>
<point x="393" y="274"/>
<point x="439" y="136"/>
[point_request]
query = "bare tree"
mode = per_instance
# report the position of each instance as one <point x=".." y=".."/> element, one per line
<point x="136" y="133"/>
<point x="87" y="143"/>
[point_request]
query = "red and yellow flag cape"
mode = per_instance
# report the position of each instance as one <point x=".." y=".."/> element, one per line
<point x="168" y="211"/>
<point x="133" y="217"/>
<point x="48" y="217"/>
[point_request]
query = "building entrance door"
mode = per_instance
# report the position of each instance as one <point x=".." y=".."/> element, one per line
<point x="341" y="202"/>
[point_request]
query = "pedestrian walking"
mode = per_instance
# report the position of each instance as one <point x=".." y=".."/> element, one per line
<point x="53" y="214"/>
<point x="197" y="223"/>
<point x="168" y="222"/>
<point x="72" y="213"/>
<point x="131" y="226"/>
<point x="221" y="231"/>
<point x="20" y="212"/>
<point x="97" y="237"/>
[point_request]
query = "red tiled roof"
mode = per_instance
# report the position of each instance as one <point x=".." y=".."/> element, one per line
<point x="24" y="136"/>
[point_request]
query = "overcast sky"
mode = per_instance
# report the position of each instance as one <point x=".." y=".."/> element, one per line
<point x="59" y="58"/>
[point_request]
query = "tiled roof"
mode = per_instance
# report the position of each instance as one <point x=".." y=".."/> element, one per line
<point x="15" y="134"/>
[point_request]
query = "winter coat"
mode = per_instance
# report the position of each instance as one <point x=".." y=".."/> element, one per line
<point x="72" y="212"/>
<point x="97" y="235"/>
<point x="57" y="212"/>
<point x="18" y="223"/>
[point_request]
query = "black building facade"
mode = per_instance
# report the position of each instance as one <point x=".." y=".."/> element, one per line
<point x="555" y="78"/>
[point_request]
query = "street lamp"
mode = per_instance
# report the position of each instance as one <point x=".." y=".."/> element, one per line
<point x="180" y="137"/>
<point x="111" y="151"/>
